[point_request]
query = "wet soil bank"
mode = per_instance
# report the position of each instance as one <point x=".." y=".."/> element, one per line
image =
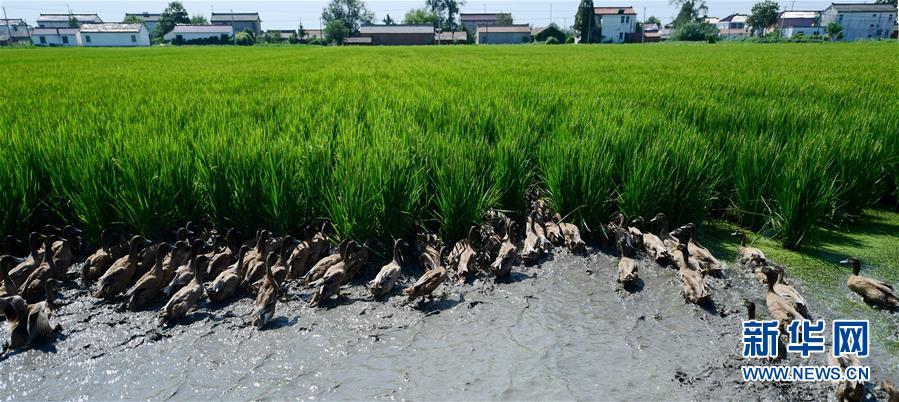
<point x="563" y="329"/>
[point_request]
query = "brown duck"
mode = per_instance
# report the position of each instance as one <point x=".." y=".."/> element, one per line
<point x="745" y="253"/>
<point x="427" y="283"/>
<point x="501" y="266"/>
<point x="627" y="266"/>
<point x="652" y="244"/>
<point x="147" y="289"/>
<point x="321" y="267"/>
<point x="29" y="322"/>
<point x="696" y="291"/>
<point x="780" y="308"/>
<point x="388" y="275"/>
<point x="99" y="262"/>
<point x="120" y="274"/>
<point x="226" y="283"/>
<point x="187" y="297"/>
<point x="873" y="291"/>
<point x="264" y="309"/>
<point x="463" y="257"/>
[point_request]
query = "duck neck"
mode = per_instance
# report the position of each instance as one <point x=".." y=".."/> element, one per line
<point x="663" y="232"/>
<point x="742" y="239"/>
<point x="396" y="253"/>
<point x="856" y="267"/>
<point x="750" y="311"/>
<point x="240" y="267"/>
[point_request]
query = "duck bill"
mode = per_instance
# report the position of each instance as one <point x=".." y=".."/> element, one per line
<point x="844" y="262"/>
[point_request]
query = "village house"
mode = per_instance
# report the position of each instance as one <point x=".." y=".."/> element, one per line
<point x="650" y="34"/>
<point x="13" y="30"/>
<point x="503" y="34"/>
<point x="472" y="21"/>
<point x="114" y="34"/>
<point x="791" y="23"/>
<point x="239" y="21"/>
<point x="199" y="34"/>
<point x="62" y="20"/>
<point x="617" y="24"/>
<point x="861" y="21"/>
<point x="733" y="27"/>
<point x="308" y="34"/>
<point x="451" y="38"/>
<point x="149" y="19"/>
<point x="398" y="34"/>
<point x="56" y="37"/>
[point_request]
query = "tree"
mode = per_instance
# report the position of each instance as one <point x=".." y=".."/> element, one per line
<point x="503" y="19"/>
<point x="73" y="22"/>
<point x="834" y="31"/>
<point x="336" y="31"/>
<point x="245" y="39"/>
<point x="421" y="16"/>
<point x="446" y="11"/>
<point x="552" y="31"/>
<point x="132" y="19"/>
<point x="388" y="21"/>
<point x="173" y="14"/>
<point x="654" y="20"/>
<point x="764" y="15"/>
<point x="293" y="39"/>
<point x="695" y="31"/>
<point x="690" y="11"/>
<point x="352" y="13"/>
<point x="301" y="32"/>
<point x="583" y="21"/>
<point x="198" y="19"/>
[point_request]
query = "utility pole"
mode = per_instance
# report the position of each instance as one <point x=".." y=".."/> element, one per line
<point x="9" y="32"/>
<point x="643" y="27"/>
<point x="550" y="13"/>
<point x="233" y="31"/>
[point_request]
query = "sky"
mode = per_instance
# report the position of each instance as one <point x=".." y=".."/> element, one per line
<point x="287" y="14"/>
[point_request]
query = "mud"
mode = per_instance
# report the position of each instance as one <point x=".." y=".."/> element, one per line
<point x="563" y="329"/>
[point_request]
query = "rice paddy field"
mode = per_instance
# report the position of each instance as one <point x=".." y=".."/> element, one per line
<point x="781" y="139"/>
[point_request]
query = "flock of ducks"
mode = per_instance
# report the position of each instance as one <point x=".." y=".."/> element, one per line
<point x="205" y="264"/>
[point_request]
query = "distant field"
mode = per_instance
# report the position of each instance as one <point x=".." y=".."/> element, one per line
<point x="773" y="137"/>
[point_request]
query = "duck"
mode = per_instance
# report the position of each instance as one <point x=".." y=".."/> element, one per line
<point x="667" y="239"/>
<point x="652" y="244"/>
<point x="750" y="309"/>
<point x="790" y="293"/>
<point x="187" y="297"/>
<point x="847" y="391"/>
<point x="627" y="267"/>
<point x="267" y="298"/>
<point x="357" y="260"/>
<point x="178" y="257"/>
<point x="256" y="255"/>
<point x="321" y="267"/>
<point x="99" y="262"/>
<point x="501" y="266"/>
<point x="747" y="255"/>
<point x="119" y="275"/>
<point x="307" y="253"/>
<point x="12" y="246"/>
<point x="700" y="256"/>
<point x="572" y="236"/>
<point x="389" y="273"/>
<point x="782" y="309"/>
<point x="256" y="270"/>
<point x="31" y="261"/>
<point x="429" y="257"/>
<point x="533" y="246"/>
<point x="874" y="292"/>
<point x="425" y="286"/>
<point x="891" y="391"/>
<point x="634" y="233"/>
<point x="9" y="287"/>
<point x="185" y="272"/>
<point x="224" y="257"/>
<point x="32" y="290"/>
<point x="29" y="322"/>
<point x="554" y="231"/>
<point x="67" y="240"/>
<point x="696" y="291"/>
<point x="463" y="256"/>
<point x="147" y="289"/>
<point x="329" y="284"/>
<point x="226" y="283"/>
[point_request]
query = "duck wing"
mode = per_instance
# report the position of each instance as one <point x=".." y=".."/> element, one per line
<point x="39" y="321"/>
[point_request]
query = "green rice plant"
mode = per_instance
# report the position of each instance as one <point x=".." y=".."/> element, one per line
<point x="513" y="170"/>
<point x="755" y="169"/>
<point x="17" y="181"/>
<point x="460" y="184"/>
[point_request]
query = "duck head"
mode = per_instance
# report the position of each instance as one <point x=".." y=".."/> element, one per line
<point x="35" y="241"/>
<point x="398" y="246"/>
<point x="199" y="267"/>
<point x="854" y="263"/>
<point x="660" y="217"/>
<point x="136" y="244"/>
<point x="741" y="236"/>
<point x="750" y="309"/>
<point x="50" y="290"/>
<point x="261" y="239"/>
<point x="181" y="251"/>
<point x="472" y="234"/>
<point x="638" y="222"/>
<point x="619" y="219"/>
<point x="163" y="250"/>
<point x="770" y="276"/>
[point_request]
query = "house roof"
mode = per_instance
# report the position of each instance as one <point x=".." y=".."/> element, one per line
<point x="358" y="40"/>
<point x="396" y="29"/>
<point x="12" y="21"/>
<point x="82" y="18"/>
<point x="55" y="31"/>
<point x="218" y="29"/>
<point x="452" y="36"/>
<point x="478" y="17"/>
<point x="145" y="16"/>
<point x="111" y="27"/>
<point x="228" y="17"/>
<point x="862" y="7"/>
<point x="312" y="32"/>
<point x="798" y="14"/>
<point x="734" y="18"/>
<point x="518" y="28"/>
<point x="712" y="20"/>
<point x="614" y="11"/>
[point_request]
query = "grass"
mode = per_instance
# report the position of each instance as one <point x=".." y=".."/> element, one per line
<point x="782" y="139"/>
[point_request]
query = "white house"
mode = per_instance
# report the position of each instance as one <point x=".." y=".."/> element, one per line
<point x="56" y="37"/>
<point x="861" y="21"/>
<point x="733" y="26"/>
<point x="503" y="34"/>
<point x="62" y="20"/>
<point x="114" y="35"/>
<point x="792" y="23"/>
<point x="187" y="33"/>
<point x="150" y="20"/>
<point x="13" y="30"/>
<point x="240" y="21"/>
<point x="617" y="23"/>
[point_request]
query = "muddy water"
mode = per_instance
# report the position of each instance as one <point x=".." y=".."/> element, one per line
<point x="560" y="330"/>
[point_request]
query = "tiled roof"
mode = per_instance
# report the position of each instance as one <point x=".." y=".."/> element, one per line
<point x="111" y="27"/>
<point x="82" y="18"/>
<point x="478" y="17"/>
<point x="185" y="28"/>
<point x="55" y="31"/>
<point x="452" y="36"/>
<point x="228" y="17"/>
<point x="396" y="29"/>
<point x="505" y="28"/>
<point x="863" y="7"/>
<point x="146" y="17"/>
<point x="614" y="11"/>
